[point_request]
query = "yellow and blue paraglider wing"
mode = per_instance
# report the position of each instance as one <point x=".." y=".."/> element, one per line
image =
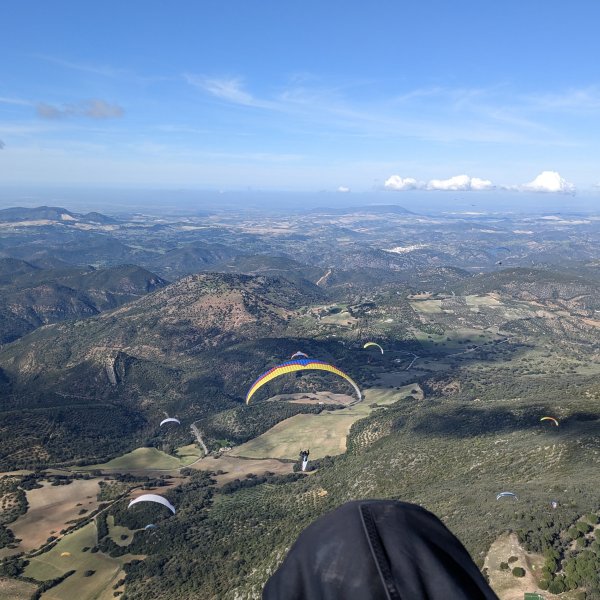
<point x="292" y="366"/>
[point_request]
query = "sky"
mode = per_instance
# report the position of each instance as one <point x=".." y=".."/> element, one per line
<point x="344" y="96"/>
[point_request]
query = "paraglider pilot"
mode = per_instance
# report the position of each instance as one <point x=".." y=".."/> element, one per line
<point x="377" y="550"/>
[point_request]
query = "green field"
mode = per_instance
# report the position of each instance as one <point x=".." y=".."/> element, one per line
<point x="487" y="300"/>
<point x="427" y="306"/>
<point x="455" y="340"/>
<point x="51" y="564"/>
<point x="149" y="459"/>
<point x="342" y="318"/>
<point x="188" y="454"/>
<point x="325" y="433"/>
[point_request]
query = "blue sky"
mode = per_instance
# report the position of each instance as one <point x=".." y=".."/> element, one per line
<point x="307" y="95"/>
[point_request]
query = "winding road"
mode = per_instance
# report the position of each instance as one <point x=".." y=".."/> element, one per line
<point x="199" y="438"/>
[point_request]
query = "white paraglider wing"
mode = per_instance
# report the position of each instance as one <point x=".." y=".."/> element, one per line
<point x="153" y="498"/>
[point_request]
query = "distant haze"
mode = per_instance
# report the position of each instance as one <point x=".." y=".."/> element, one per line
<point x="188" y="201"/>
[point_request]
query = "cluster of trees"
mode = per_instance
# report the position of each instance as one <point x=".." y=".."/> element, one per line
<point x="83" y="434"/>
<point x="204" y="553"/>
<point x="13" y="503"/>
<point x="571" y="552"/>
<point x="6" y="536"/>
<point x="252" y="480"/>
<point x="13" y="566"/>
<point x="583" y="570"/>
<point x="117" y="484"/>
<point x="32" y="481"/>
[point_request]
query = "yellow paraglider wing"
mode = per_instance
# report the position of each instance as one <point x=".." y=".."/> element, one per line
<point x="368" y="344"/>
<point x="555" y="421"/>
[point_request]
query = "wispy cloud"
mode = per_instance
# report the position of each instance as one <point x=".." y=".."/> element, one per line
<point x="173" y="150"/>
<point x="99" y="70"/>
<point x="434" y="114"/>
<point x="2" y="144"/>
<point x="94" y="108"/>
<point x="15" y="101"/>
<point x="228" y="89"/>
<point x="26" y="128"/>
<point x="573" y="100"/>
<point x="186" y="129"/>
<point x="104" y="70"/>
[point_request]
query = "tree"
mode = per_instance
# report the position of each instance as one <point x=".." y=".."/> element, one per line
<point x="584" y="527"/>
<point x="574" y="533"/>
<point x="557" y="586"/>
<point x="592" y="518"/>
<point x="518" y="572"/>
<point x="551" y="564"/>
<point x="570" y="583"/>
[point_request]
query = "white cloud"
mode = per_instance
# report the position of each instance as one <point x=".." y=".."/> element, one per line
<point x="549" y="181"/>
<point x="395" y="182"/>
<point x="460" y="183"/>
<point x="343" y="189"/>
<point x="481" y="184"/>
